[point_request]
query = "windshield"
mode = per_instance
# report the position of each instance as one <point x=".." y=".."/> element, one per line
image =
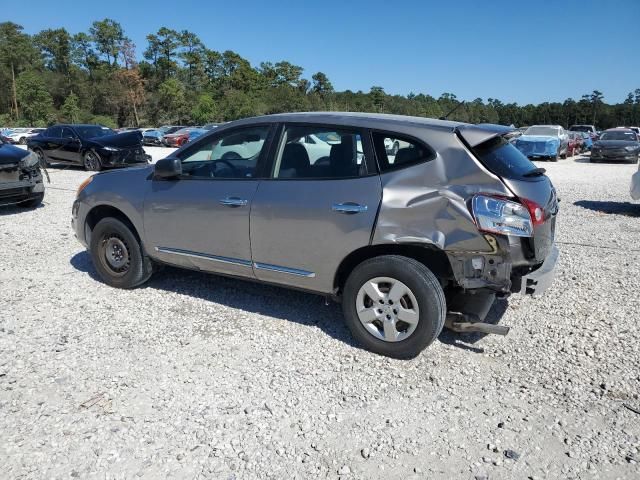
<point x="545" y="131"/>
<point x="619" y="135"/>
<point x="503" y="159"/>
<point x="93" y="131"/>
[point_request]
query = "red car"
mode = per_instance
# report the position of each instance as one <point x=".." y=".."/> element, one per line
<point x="576" y="144"/>
<point x="182" y="136"/>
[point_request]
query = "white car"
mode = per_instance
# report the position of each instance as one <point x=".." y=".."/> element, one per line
<point x="635" y="184"/>
<point x="20" y="135"/>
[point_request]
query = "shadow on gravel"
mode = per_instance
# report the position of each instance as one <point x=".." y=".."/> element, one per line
<point x="304" y="308"/>
<point x="462" y="340"/>
<point x="277" y="302"/>
<point x="6" y="210"/>
<point x="618" y="208"/>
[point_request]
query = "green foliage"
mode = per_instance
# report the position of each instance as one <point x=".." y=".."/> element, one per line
<point x="94" y="76"/>
<point x="204" y="110"/>
<point x="103" y="120"/>
<point x="34" y="100"/>
<point x="71" y="109"/>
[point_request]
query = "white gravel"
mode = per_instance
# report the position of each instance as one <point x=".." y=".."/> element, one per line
<point x="197" y="376"/>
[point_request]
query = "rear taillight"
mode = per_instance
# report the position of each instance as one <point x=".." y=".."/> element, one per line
<point x="505" y="217"/>
<point x="535" y="211"/>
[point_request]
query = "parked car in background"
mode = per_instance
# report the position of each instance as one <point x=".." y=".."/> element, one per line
<point x="152" y="137"/>
<point x="169" y="130"/>
<point x="590" y="129"/>
<point x="21" y="135"/>
<point x="20" y="177"/>
<point x="616" y="144"/>
<point x="544" y="141"/>
<point x="587" y="141"/>
<point x="183" y="136"/>
<point x="356" y="228"/>
<point x="576" y="143"/>
<point x="93" y="146"/>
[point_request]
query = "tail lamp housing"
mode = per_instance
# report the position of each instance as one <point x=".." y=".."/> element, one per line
<point x="499" y="215"/>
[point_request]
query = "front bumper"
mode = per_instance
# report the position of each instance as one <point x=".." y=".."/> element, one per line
<point x="537" y="149"/>
<point x="21" y="191"/>
<point x="538" y="281"/>
<point x="614" y="156"/>
<point x="124" y="158"/>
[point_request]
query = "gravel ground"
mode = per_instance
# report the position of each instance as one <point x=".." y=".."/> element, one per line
<point x="196" y="376"/>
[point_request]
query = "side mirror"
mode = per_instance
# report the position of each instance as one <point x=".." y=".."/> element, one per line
<point x="168" y="168"/>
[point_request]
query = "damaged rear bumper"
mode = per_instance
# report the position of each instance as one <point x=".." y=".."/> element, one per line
<point x="538" y="281"/>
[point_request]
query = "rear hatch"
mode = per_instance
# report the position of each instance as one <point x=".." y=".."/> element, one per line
<point x="527" y="182"/>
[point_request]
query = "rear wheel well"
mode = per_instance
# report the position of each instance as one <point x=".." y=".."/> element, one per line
<point x="433" y="258"/>
<point x="103" y="211"/>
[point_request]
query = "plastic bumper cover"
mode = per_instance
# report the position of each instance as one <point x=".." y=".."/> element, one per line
<point x="538" y="281"/>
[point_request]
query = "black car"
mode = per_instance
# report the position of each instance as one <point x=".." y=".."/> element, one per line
<point x="616" y="144"/>
<point x="20" y="177"/>
<point x="93" y="146"/>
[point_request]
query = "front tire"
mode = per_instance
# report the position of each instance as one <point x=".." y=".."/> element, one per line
<point x="91" y="162"/>
<point x="394" y="306"/>
<point x="117" y="255"/>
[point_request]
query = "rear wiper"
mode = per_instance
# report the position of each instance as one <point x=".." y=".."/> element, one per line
<point x="536" y="172"/>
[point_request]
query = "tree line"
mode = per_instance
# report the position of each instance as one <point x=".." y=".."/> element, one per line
<point x="96" y="77"/>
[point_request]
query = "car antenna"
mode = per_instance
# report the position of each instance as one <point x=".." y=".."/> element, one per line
<point x="453" y="110"/>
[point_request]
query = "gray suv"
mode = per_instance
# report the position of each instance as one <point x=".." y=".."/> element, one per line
<point x="407" y="239"/>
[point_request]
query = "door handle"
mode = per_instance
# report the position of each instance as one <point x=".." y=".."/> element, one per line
<point x="233" y="202"/>
<point x="349" y="208"/>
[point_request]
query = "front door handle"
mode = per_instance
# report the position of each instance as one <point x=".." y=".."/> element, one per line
<point x="233" y="202"/>
<point x="349" y="208"/>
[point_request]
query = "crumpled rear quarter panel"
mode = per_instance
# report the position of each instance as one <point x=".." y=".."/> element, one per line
<point x="427" y="203"/>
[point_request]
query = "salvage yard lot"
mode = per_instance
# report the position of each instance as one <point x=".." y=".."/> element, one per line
<point x="200" y="376"/>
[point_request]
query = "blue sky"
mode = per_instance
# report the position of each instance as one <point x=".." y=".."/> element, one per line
<point x="525" y="52"/>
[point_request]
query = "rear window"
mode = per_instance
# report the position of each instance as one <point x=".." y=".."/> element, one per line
<point x="581" y="128"/>
<point x="503" y="159"/>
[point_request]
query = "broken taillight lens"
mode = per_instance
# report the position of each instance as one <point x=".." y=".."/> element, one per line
<point x="502" y="216"/>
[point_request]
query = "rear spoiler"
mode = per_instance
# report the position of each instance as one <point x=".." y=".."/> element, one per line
<point x="474" y="135"/>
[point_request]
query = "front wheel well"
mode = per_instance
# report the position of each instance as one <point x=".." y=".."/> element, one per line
<point x="103" y="211"/>
<point x="433" y="258"/>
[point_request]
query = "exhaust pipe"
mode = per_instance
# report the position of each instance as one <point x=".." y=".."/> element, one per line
<point x="464" y="322"/>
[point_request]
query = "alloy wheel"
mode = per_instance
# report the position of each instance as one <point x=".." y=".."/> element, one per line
<point x="388" y="309"/>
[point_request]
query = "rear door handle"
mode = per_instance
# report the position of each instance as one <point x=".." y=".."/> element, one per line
<point x="349" y="208"/>
<point x="233" y="202"/>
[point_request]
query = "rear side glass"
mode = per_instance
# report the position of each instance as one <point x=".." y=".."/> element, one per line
<point x="395" y="151"/>
<point x="503" y="159"/>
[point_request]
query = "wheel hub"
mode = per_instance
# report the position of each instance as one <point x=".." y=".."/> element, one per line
<point x="388" y="309"/>
<point x="116" y="254"/>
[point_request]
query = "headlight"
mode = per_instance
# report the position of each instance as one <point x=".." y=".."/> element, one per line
<point x="631" y="149"/>
<point x="111" y="149"/>
<point x="497" y="215"/>
<point x="30" y="161"/>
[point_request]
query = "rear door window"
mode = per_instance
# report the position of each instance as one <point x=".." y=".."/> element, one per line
<point x="319" y="152"/>
<point x="503" y="159"/>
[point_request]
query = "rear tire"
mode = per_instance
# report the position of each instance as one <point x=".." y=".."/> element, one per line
<point x="379" y="323"/>
<point x="117" y="255"/>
